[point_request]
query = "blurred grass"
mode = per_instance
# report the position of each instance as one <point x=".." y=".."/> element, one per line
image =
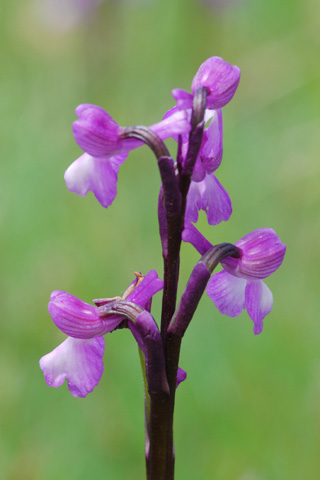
<point x="250" y="407"/>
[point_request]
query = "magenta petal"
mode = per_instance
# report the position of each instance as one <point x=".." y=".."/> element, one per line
<point x="186" y="127"/>
<point x="258" y="302"/>
<point x="95" y="131"/>
<point x="221" y="80"/>
<point x="78" y="319"/>
<point x="227" y="293"/>
<point x="99" y="175"/>
<point x="175" y="122"/>
<point x="262" y="254"/>
<point x="210" y="196"/>
<point x="80" y="362"/>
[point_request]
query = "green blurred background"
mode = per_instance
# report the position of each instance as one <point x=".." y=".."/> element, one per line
<point x="250" y="408"/>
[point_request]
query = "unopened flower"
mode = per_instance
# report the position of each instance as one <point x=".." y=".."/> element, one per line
<point x="79" y="359"/>
<point x="239" y="286"/>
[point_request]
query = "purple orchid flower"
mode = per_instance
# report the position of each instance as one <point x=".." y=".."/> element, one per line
<point x="99" y="136"/>
<point x="239" y="286"/>
<point x="79" y="359"/>
<point x="206" y="193"/>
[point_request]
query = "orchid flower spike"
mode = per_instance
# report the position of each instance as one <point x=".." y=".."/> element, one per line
<point x="239" y="286"/>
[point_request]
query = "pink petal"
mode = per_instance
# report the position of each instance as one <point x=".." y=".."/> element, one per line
<point x="150" y="285"/>
<point x="227" y="293"/>
<point x="80" y="362"/>
<point x="99" y="175"/>
<point x="210" y="196"/>
<point x="183" y="128"/>
<point x="178" y="123"/>
<point x="258" y="302"/>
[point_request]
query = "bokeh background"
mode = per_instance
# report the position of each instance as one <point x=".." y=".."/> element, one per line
<point x="250" y="408"/>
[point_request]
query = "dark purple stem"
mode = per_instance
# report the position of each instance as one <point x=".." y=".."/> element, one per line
<point x="147" y="335"/>
<point x="172" y="343"/>
<point x="196" y="285"/>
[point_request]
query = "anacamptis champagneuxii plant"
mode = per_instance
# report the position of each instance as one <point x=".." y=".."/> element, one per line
<point x="188" y="184"/>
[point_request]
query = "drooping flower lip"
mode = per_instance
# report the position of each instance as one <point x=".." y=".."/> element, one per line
<point x="79" y="361"/>
<point x="232" y="294"/>
<point x="209" y="196"/>
<point x="220" y="79"/>
<point x="96" y="174"/>
<point x="262" y="253"/>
